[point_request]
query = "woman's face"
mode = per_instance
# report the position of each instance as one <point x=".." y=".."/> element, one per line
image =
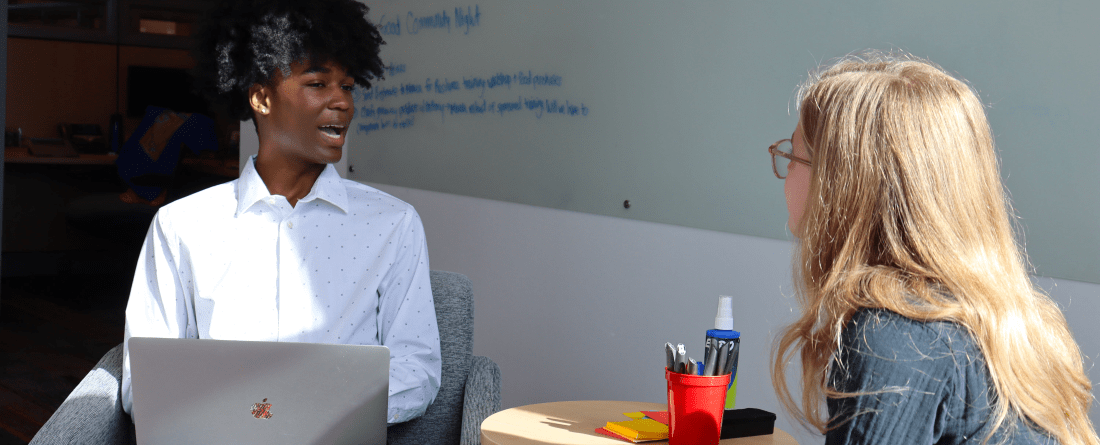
<point x="797" y="184"/>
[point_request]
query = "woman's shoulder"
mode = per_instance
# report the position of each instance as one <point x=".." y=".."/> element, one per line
<point x="881" y="349"/>
<point x="880" y="331"/>
<point x="933" y="368"/>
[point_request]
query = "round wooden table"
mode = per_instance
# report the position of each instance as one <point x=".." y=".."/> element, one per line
<point x="575" y="423"/>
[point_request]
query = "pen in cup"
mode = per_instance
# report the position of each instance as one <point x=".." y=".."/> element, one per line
<point x="670" y="357"/>
<point x="681" y="358"/>
<point x="710" y="363"/>
<point x="731" y="364"/>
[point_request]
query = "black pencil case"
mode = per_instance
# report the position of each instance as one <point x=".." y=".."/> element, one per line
<point x="745" y="422"/>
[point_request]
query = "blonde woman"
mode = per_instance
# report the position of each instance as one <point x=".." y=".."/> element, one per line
<point x="919" y="323"/>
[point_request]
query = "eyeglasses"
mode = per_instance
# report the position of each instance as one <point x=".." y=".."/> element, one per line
<point x="785" y="149"/>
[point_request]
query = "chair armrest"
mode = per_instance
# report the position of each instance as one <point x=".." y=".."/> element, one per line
<point x="482" y="397"/>
<point x="92" y="414"/>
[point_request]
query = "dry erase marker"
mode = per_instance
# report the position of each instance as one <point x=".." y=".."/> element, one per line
<point x="723" y="357"/>
<point x="710" y="363"/>
<point x="670" y="357"/>
<point x="681" y="358"/>
<point x="731" y="365"/>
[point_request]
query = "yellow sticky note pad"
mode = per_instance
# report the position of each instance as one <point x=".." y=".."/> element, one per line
<point x="640" y="429"/>
<point x="636" y="415"/>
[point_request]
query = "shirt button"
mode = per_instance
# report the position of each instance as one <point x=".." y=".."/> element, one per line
<point x="290" y="224"/>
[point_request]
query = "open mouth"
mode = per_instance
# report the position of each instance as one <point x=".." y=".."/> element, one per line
<point x="333" y="131"/>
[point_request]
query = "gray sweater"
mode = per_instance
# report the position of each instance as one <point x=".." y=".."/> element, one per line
<point x="929" y="385"/>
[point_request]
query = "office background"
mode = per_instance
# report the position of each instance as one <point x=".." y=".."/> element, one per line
<point x="671" y="106"/>
<point x="575" y="296"/>
<point x="580" y="105"/>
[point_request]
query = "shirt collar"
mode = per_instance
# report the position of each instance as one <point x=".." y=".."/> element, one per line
<point x="251" y="188"/>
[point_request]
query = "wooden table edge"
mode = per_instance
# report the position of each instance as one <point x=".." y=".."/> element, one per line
<point x="608" y="409"/>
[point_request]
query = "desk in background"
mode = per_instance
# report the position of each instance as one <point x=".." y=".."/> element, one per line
<point x="42" y="234"/>
<point x="21" y="155"/>
<point x="575" y="423"/>
<point x="226" y="168"/>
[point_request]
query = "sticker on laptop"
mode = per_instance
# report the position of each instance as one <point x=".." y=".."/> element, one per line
<point x="261" y="410"/>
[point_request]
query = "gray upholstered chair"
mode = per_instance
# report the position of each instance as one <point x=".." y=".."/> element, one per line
<point x="469" y="392"/>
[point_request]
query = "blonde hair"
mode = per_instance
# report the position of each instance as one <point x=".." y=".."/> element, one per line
<point x="906" y="212"/>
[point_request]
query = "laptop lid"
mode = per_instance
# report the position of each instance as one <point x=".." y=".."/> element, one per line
<point x="189" y="391"/>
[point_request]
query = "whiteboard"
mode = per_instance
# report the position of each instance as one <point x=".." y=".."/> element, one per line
<point x="584" y="105"/>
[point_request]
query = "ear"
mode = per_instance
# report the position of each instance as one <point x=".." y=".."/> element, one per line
<point x="259" y="98"/>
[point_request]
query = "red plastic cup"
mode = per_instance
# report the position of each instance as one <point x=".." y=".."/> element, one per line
<point x="695" y="407"/>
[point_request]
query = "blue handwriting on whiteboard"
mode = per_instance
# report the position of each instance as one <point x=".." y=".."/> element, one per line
<point x="441" y="87"/>
<point x="392" y="69"/>
<point x="401" y="117"/>
<point x="443" y="96"/>
<point x="537" y="79"/>
<point x="439" y="20"/>
<point x="464" y="19"/>
<point x="467" y="19"/>
<point x="446" y="85"/>
<point x="389" y="26"/>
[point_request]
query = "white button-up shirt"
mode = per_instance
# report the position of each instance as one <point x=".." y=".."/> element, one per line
<point x="348" y="264"/>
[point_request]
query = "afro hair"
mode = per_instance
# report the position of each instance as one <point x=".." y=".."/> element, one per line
<point x="248" y="42"/>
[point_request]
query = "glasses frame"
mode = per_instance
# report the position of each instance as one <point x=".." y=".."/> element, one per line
<point x="774" y="151"/>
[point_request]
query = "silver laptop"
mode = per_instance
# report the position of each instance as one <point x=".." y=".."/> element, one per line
<point x="190" y="391"/>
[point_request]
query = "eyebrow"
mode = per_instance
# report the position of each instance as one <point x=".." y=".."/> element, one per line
<point x="314" y="69"/>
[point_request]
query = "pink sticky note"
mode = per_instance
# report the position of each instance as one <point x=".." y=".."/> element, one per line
<point x="660" y="416"/>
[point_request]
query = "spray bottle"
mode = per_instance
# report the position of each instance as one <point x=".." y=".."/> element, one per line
<point x="722" y="346"/>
